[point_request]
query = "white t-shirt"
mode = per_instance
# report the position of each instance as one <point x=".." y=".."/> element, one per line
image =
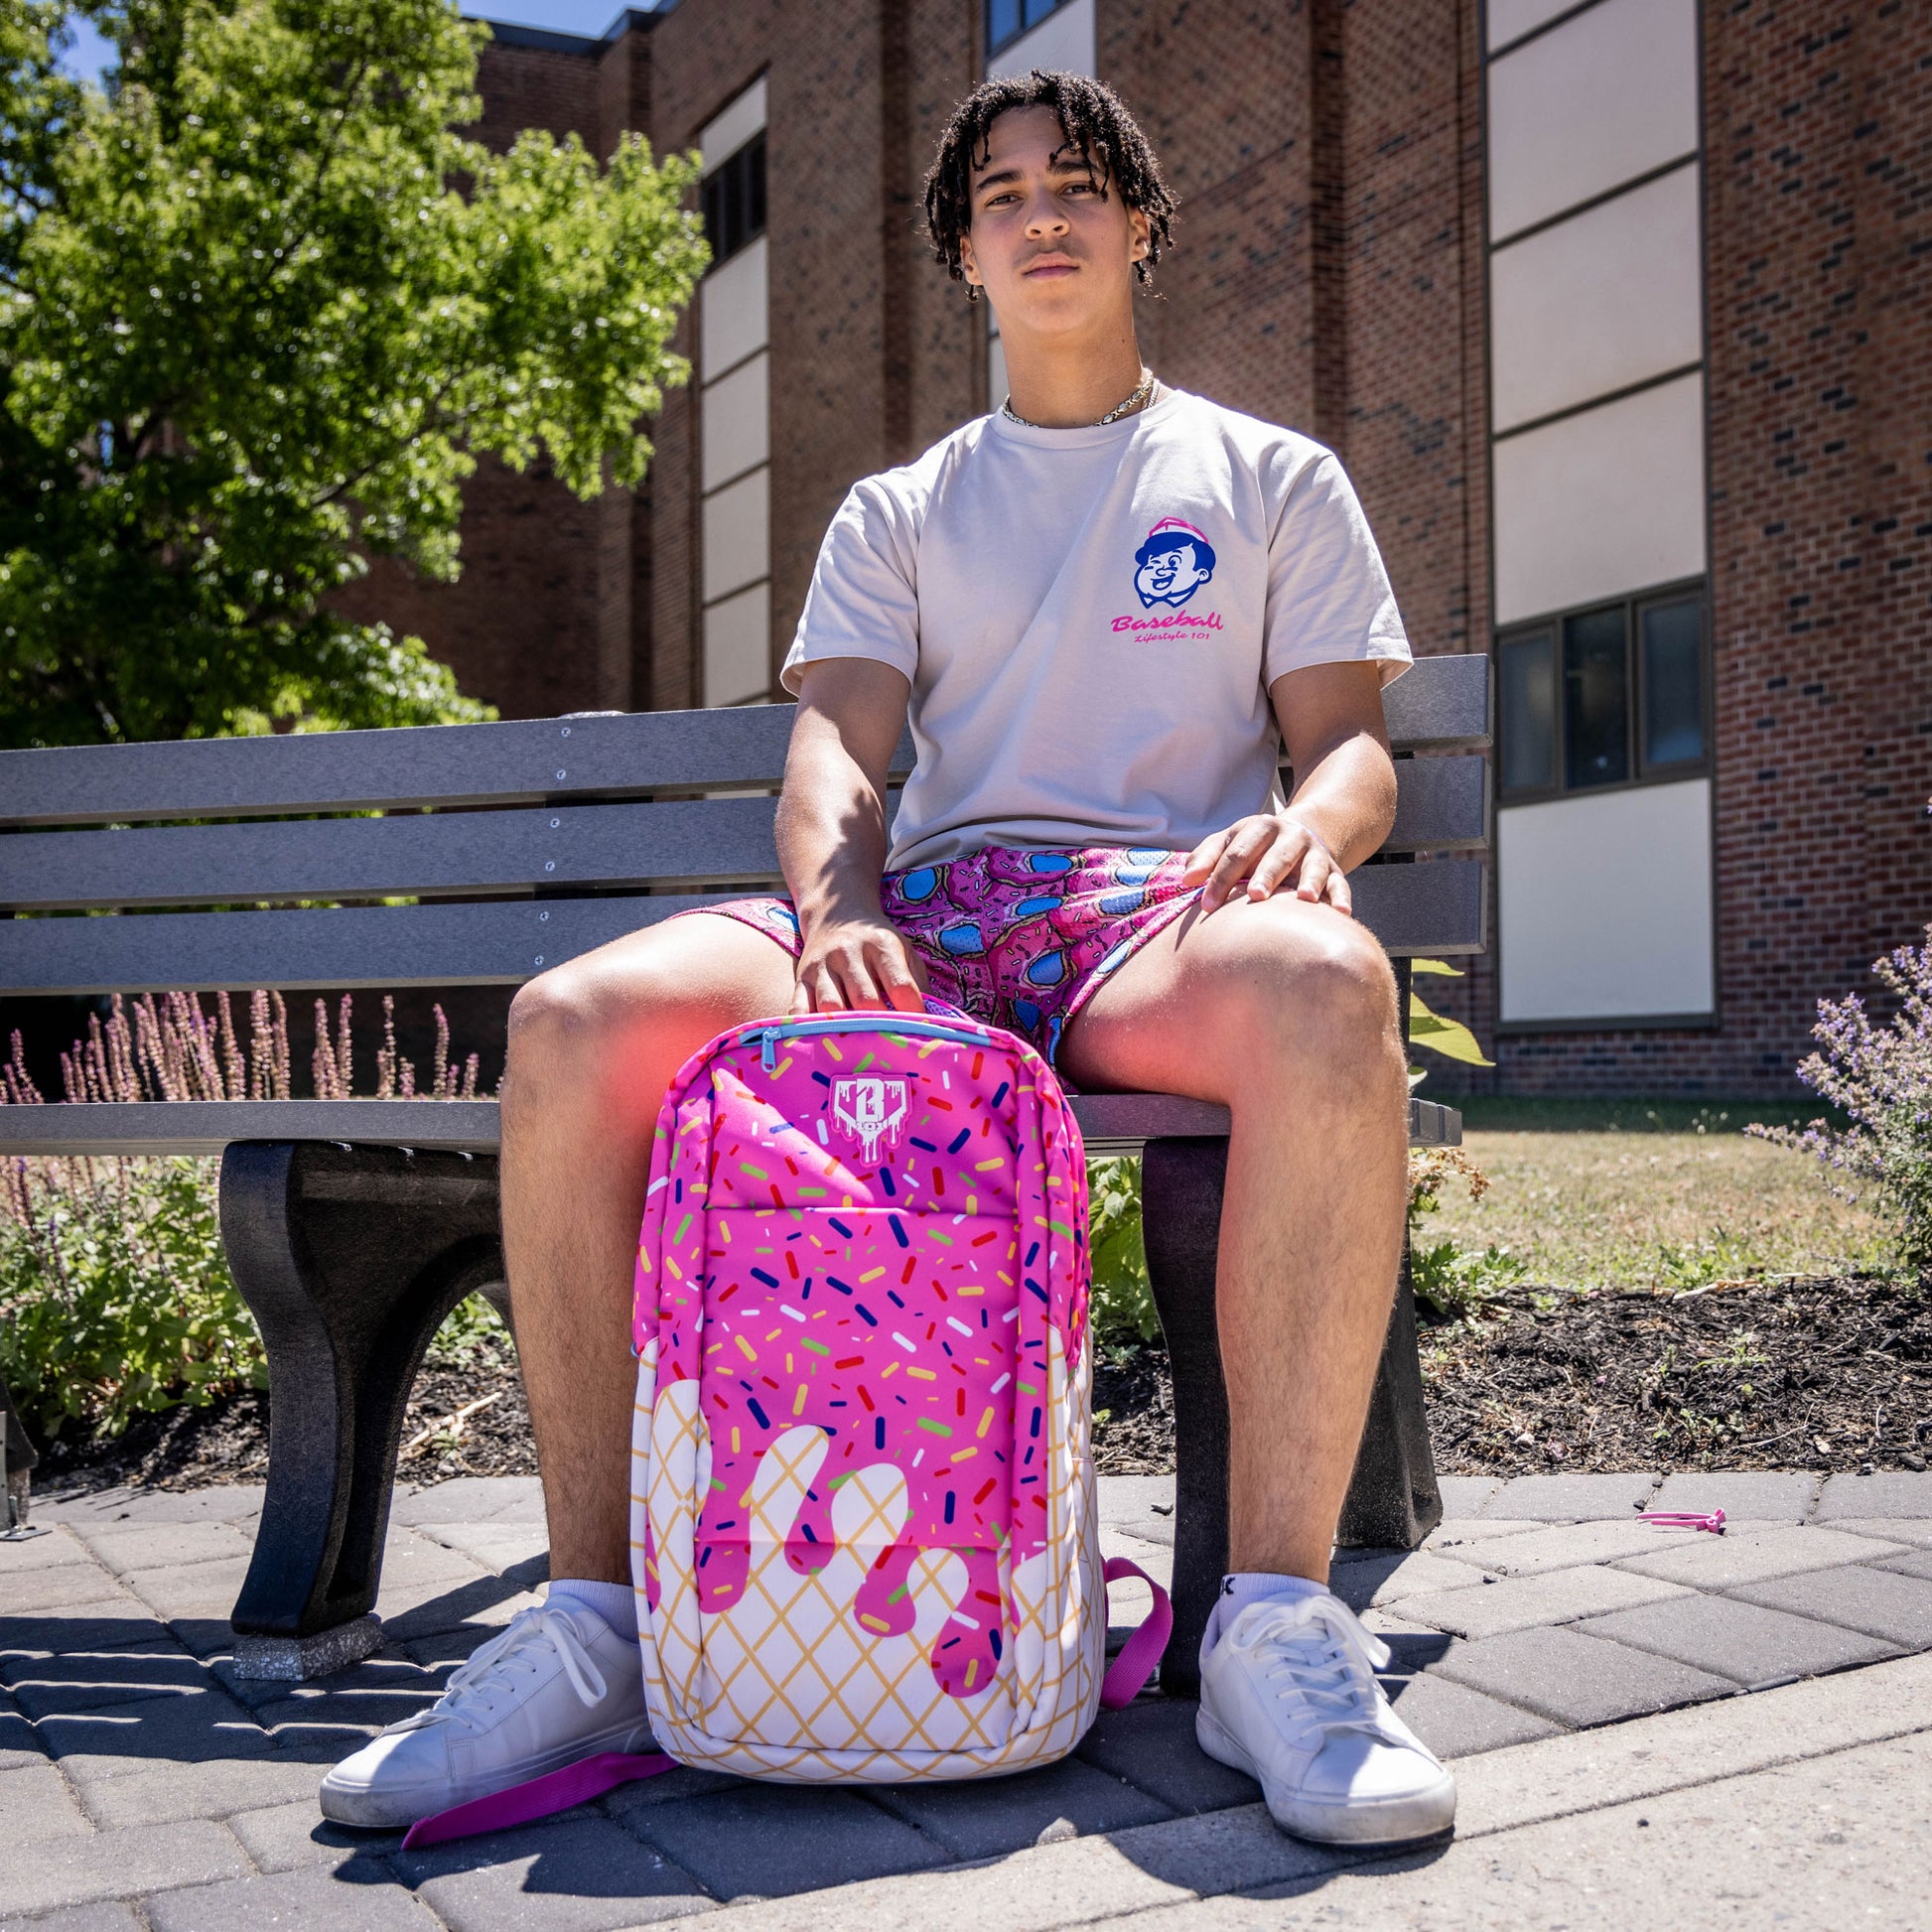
<point x="1090" y="620"/>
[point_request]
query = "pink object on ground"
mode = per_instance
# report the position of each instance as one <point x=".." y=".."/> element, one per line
<point x="1680" y="1519"/>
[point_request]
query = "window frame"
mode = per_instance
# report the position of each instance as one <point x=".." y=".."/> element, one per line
<point x="1021" y="32"/>
<point x="715" y="180"/>
<point x="1632" y="605"/>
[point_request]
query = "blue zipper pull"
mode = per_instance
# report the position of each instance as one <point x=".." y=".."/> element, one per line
<point x="768" y="1053"/>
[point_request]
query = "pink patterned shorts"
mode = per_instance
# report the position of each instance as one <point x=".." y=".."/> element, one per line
<point x="1022" y="940"/>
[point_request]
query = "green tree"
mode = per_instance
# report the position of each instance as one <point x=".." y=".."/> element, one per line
<point x="261" y="306"/>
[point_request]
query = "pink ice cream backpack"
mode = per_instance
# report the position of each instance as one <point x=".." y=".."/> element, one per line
<point x="864" y="1530"/>
<point x="864" y="1526"/>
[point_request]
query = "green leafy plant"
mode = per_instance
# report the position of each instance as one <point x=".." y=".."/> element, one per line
<point x="1435" y="1030"/>
<point x="1451" y="1280"/>
<point x="1881" y="1078"/>
<point x="1122" y="1309"/>
<point x="262" y="307"/>
<point x="117" y="1296"/>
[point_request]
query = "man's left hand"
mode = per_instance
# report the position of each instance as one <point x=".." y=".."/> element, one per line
<point x="1269" y="853"/>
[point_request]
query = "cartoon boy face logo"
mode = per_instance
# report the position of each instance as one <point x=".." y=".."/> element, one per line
<point x="1174" y="562"/>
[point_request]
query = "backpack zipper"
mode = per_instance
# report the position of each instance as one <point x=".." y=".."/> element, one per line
<point x="861" y="1023"/>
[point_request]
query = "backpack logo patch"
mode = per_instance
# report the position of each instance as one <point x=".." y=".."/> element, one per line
<point x="869" y="1110"/>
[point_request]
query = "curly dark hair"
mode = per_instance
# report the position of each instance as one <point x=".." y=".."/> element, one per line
<point x="1096" y="125"/>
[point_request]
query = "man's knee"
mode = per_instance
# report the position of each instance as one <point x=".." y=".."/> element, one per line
<point x="575" y="1021"/>
<point x="1318" y="981"/>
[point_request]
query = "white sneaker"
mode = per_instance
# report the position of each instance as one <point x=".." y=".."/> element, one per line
<point x="1289" y="1696"/>
<point x="554" y="1686"/>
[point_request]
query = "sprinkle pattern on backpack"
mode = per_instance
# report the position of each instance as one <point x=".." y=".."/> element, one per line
<point x="863" y="1527"/>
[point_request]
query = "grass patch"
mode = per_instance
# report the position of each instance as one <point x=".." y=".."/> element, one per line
<point x="1651" y="1194"/>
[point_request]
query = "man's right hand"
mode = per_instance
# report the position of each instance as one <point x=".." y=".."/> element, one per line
<point x="858" y="963"/>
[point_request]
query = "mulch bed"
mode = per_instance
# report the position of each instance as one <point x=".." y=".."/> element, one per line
<point x="1824" y="1374"/>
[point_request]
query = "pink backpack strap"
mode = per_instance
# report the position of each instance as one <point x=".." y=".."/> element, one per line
<point x="1139" y="1655"/>
<point x="589" y="1777"/>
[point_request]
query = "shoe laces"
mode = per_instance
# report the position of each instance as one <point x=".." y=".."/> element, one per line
<point x="495" y="1671"/>
<point x="1319" y="1661"/>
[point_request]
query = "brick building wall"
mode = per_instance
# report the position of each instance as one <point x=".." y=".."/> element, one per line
<point x="1331" y="272"/>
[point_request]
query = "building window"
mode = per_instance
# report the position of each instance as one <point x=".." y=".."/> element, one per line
<point x="1007" y="19"/>
<point x="1612" y="695"/>
<point x="734" y="201"/>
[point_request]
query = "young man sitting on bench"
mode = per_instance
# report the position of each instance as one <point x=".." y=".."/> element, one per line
<point x="1102" y="603"/>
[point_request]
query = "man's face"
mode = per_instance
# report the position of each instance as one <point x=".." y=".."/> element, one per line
<point x="1170" y="575"/>
<point x="1053" y="251"/>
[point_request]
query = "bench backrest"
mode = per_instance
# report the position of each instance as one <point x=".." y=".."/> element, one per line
<point x="522" y="844"/>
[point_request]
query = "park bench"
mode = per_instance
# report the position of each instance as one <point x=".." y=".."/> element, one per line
<point x="353" y="1226"/>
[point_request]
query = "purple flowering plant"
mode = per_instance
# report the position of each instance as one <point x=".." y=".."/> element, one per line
<point x="1881" y="1076"/>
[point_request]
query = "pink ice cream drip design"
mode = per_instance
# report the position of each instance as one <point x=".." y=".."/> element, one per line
<point x="853" y="1243"/>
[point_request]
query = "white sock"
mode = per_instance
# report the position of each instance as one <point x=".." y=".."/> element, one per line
<point x="615" y="1603"/>
<point x="1245" y="1586"/>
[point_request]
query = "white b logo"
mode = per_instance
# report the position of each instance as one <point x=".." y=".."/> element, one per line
<point x="871" y="1110"/>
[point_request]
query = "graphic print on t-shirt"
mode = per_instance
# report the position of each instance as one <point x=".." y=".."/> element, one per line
<point x="1174" y="562"/>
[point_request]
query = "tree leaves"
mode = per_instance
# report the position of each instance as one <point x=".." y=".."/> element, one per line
<point x="260" y="309"/>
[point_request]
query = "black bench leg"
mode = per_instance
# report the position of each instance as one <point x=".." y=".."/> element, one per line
<point x="1392" y="1499"/>
<point x="349" y="1258"/>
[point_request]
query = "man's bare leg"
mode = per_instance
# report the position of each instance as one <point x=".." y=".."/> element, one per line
<point x="592" y="1046"/>
<point x="1285" y="1012"/>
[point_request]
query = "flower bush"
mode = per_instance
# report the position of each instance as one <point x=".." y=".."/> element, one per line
<point x="1881" y="1076"/>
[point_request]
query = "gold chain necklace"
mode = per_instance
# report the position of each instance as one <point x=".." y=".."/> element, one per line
<point x="1142" y="390"/>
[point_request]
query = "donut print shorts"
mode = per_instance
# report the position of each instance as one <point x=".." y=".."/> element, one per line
<point x="1022" y="940"/>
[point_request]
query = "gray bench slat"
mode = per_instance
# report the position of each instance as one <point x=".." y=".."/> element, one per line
<point x="1442" y="804"/>
<point x="1431" y="908"/>
<point x="1110" y="1122"/>
<point x="1441" y="705"/>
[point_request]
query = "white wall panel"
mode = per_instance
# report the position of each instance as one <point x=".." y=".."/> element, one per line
<point x="1063" y="40"/>
<point x="738" y="421"/>
<point x="722" y="137"/>
<point x="1602" y="502"/>
<point x="1598" y="302"/>
<point x="734" y="307"/>
<point x="737" y="647"/>
<point x="1604" y="904"/>
<point x="1510" y="20"/>
<point x="737" y="534"/>
<point x="1589" y="104"/>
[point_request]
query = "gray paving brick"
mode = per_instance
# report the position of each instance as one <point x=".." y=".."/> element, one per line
<point x="1151" y="1744"/>
<point x="462" y="1499"/>
<point x="191" y="1591"/>
<point x="1754" y="1556"/>
<point x="769" y="1840"/>
<point x="1456" y="1721"/>
<point x="1893" y="1492"/>
<point x="288" y="1836"/>
<point x="374" y="1693"/>
<point x="498" y="1547"/>
<point x="119" y="1865"/>
<point x="1559" y="1546"/>
<point x="305" y="1901"/>
<point x="578" y="1872"/>
<point x="1569" y="1498"/>
<point x="1575" y="1678"/>
<point x="1878" y="1601"/>
<point x="117" y="1625"/>
<point x="1745" y="1495"/>
<point x="203" y="1729"/>
<point x="682" y="1782"/>
<point x="1143" y="1506"/>
<point x="20" y="1743"/>
<point x="982" y="1818"/>
<point x="1738" y="1641"/>
<point x="1523" y="1602"/>
<point x="1373" y="1578"/>
<point x="1412" y="1646"/>
<point x="226" y="1502"/>
<point x="1465" y="1495"/>
<point x="36" y="1803"/>
<point x="1888" y="1529"/>
<point x="213" y="1789"/>
<point x="1913" y="1563"/>
<point x="61" y="1545"/>
<point x="49" y="1592"/>
<point x="122" y="1548"/>
<point x="45" y="1687"/>
<point x="108" y="1916"/>
<point x="1453" y="1531"/>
